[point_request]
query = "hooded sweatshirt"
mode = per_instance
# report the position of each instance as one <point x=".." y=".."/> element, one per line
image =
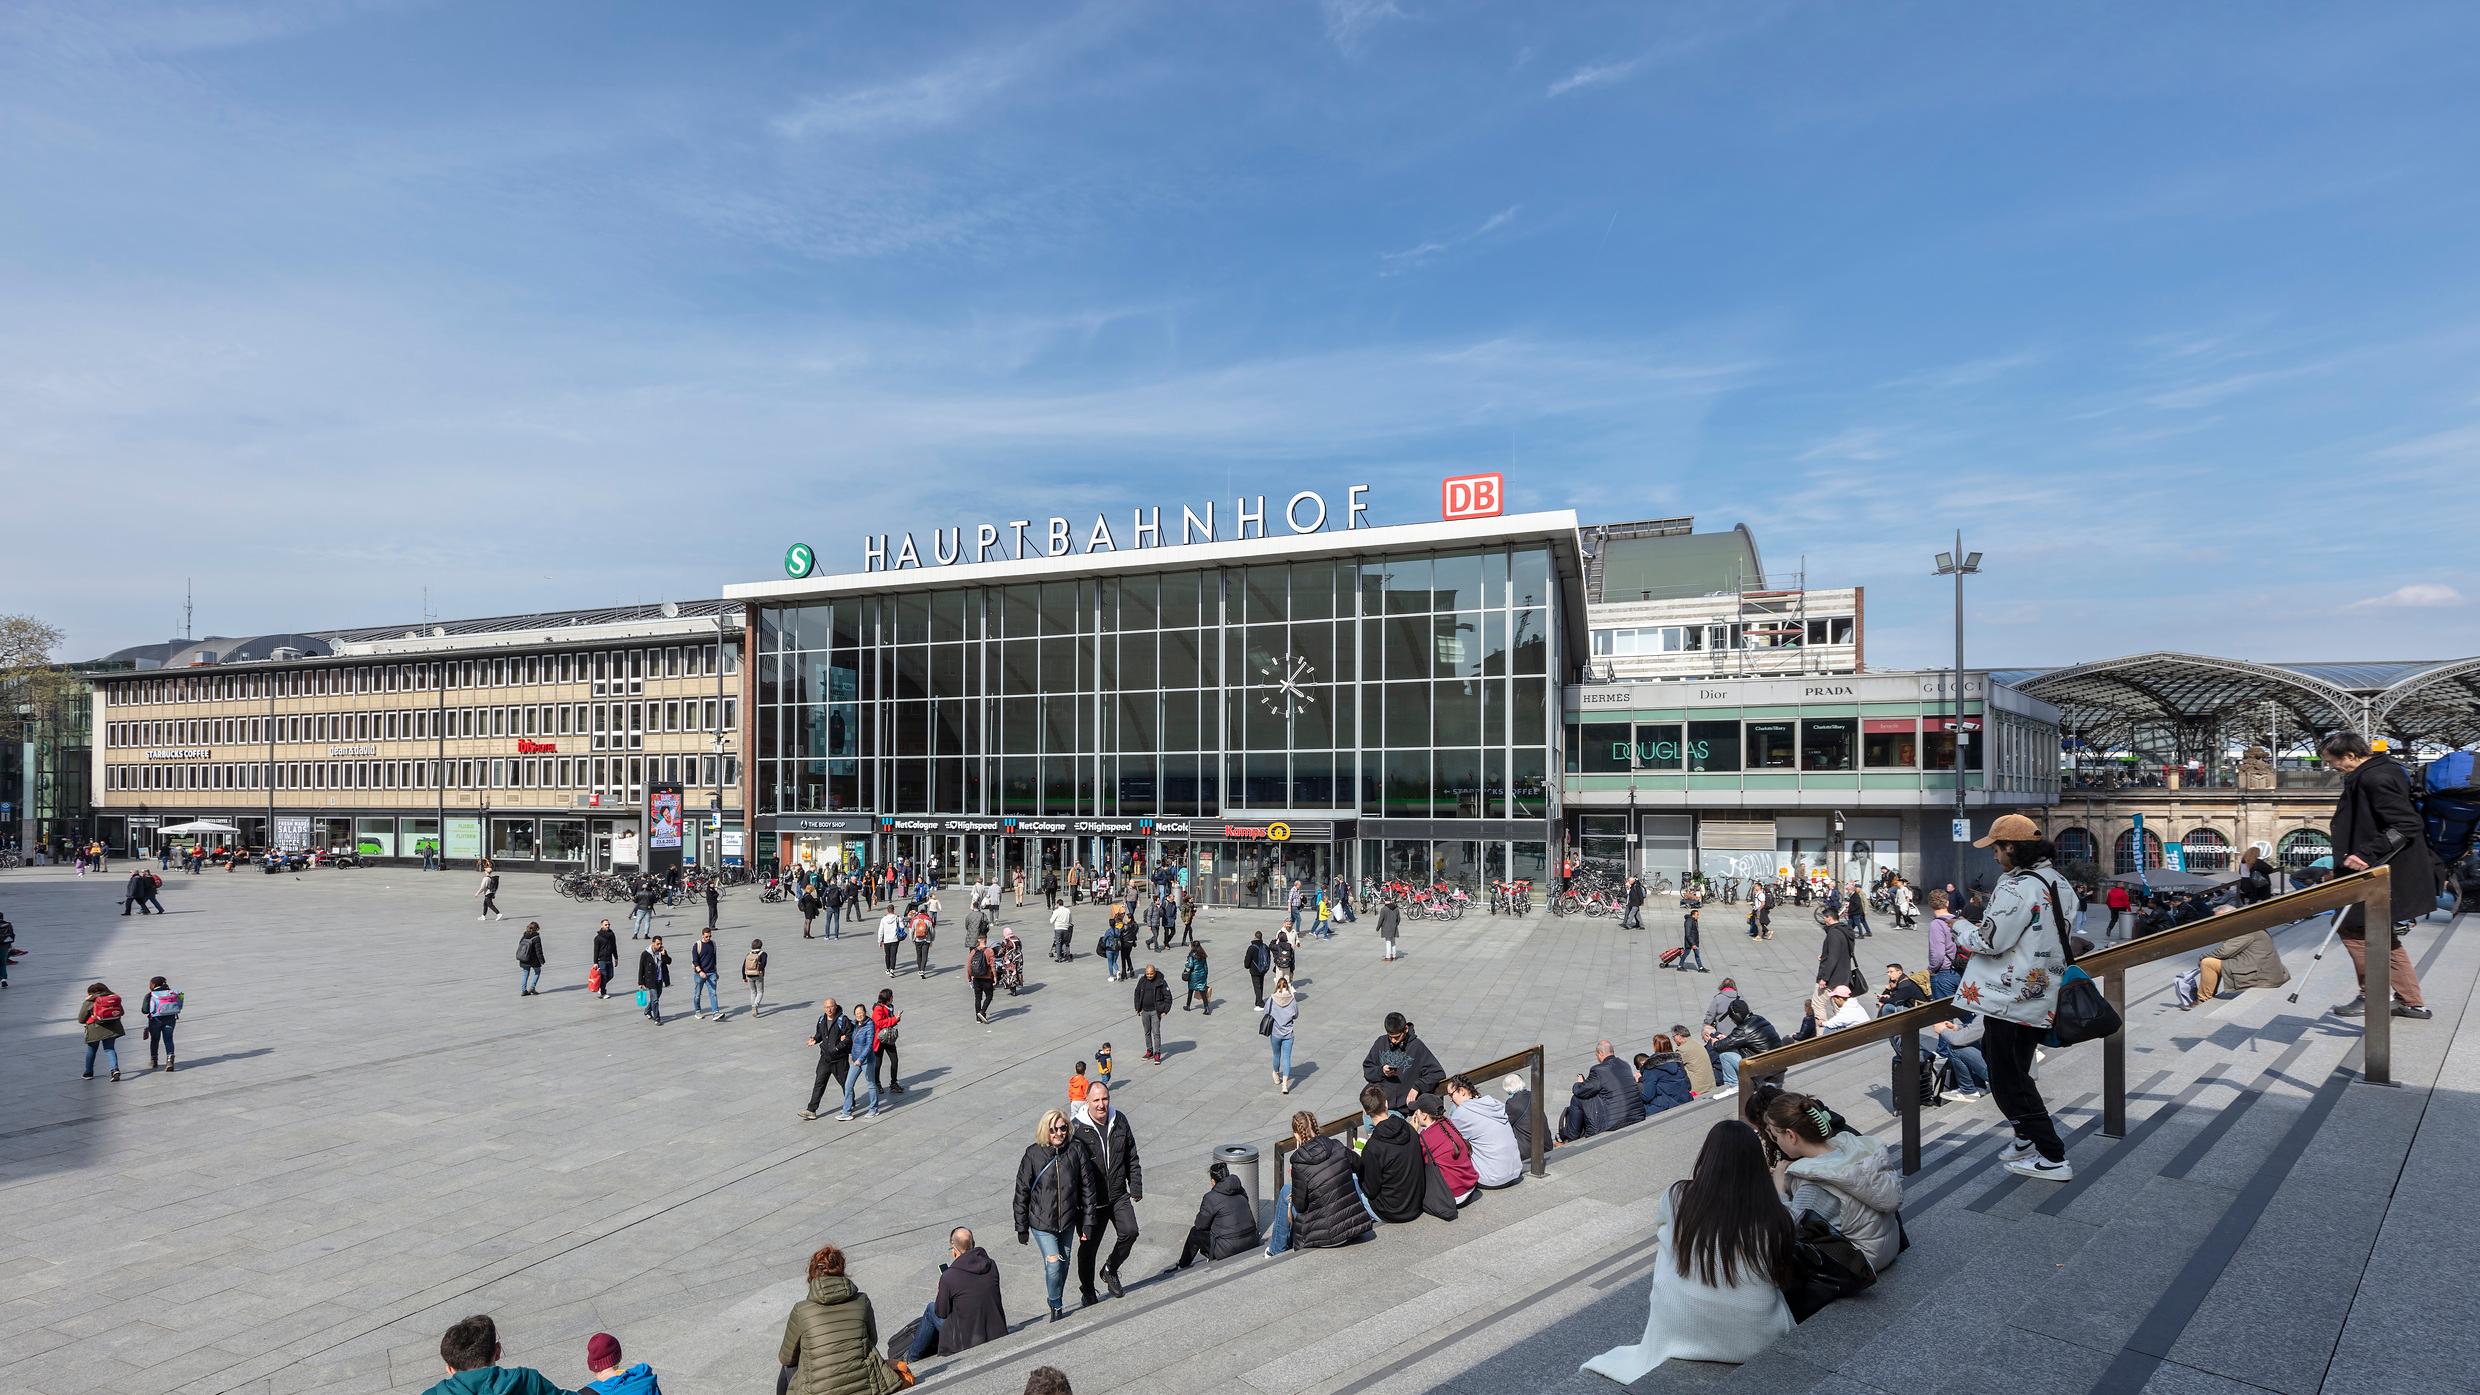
<point x="496" y="1380"/>
<point x="1483" y="1121"/>
<point x="1854" y="1187"/>
<point x="1445" y="1145"/>
<point x="968" y="1303"/>
<point x="1392" y="1170"/>
<point x="636" y="1380"/>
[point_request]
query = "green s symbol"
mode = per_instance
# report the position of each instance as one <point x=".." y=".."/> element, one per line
<point x="799" y="560"/>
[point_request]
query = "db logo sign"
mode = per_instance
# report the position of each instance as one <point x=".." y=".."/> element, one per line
<point x="1471" y="496"/>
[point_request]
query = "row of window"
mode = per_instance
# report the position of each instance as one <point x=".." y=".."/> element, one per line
<point x="1681" y="639"/>
<point x="609" y="775"/>
<point x="2202" y="849"/>
<point x="614" y="720"/>
<point x="612" y="671"/>
<point x="1815" y="743"/>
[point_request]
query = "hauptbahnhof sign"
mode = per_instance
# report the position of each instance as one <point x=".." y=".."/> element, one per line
<point x="1020" y="538"/>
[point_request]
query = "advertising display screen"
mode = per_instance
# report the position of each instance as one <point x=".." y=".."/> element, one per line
<point x="663" y="816"/>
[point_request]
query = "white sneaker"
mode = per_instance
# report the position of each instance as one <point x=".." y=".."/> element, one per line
<point x="2041" y="1169"/>
<point x="1726" y="1092"/>
<point x="2016" y="1152"/>
<point x="1966" y="1094"/>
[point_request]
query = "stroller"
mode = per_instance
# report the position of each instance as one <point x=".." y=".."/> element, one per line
<point x="2450" y="806"/>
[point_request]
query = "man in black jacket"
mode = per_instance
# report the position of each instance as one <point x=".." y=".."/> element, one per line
<point x="136" y="894"/>
<point x="966" y="1311"/>
<point x="2377" y="825"/>
<point x="1742" y="1033"/>
<point x="1257" y="960"/>
<point x="1836" y="963"/>
<point x="1399" y="1064"/>
<point x="1115" y="1179"/>
<point x="1226" y="1222"/>
<point x="1606" y="1097"/>
<point x="1635" y="917"/>
<point x="606" y="955"/>
<point x="833" y="1038"/>
<point x="1393" y="1167"/>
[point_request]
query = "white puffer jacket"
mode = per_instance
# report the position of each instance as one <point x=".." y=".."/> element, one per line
<point x="2017" y="956"/>
<point x="1856" y="1187"/>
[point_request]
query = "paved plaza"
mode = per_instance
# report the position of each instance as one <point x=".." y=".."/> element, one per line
<point x="372" y="1134"/>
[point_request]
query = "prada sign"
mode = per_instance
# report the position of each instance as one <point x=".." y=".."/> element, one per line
<point x="1019" y="539"/>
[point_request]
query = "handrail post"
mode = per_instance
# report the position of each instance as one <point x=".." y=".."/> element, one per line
<point x="1540" y="1122"/>
<point x="1907" y="1096"/>
<point x="2376" y="919"/>
<point x="2114" y="1060"/>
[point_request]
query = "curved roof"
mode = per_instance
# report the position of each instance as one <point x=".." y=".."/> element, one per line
<point x="2418" y="700"/>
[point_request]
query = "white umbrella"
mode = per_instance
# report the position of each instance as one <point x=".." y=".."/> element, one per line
<point x="199" y="826"/>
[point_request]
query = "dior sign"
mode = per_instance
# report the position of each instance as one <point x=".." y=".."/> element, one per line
<point x="1023" y="538"/>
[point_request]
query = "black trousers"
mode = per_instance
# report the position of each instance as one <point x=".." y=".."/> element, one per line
<point x="1257" y="986"/>
<point x="1121" y="1217"/>
<point x="830" y="1076"/>
<point x="1195" y="1247"/>
<point x="885" y="1067"/>
<point x="890" y="947"/>
<point x="983" y="991"/>
<point x="2008" y="1047"/>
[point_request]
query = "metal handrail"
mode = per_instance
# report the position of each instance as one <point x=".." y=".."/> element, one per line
<point x="1537" y="1121"/>
<point x="2371" y="891"/>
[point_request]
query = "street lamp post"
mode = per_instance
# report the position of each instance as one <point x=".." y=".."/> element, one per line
<point x="1959" y="564"/>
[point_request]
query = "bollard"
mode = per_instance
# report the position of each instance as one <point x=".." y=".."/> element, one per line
<point x="1241" y="1159"/>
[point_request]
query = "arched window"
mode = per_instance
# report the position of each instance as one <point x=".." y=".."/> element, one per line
<point x="2076" y="845"/>
<point x="2302" y="846"/>
<point x="2207" y="850"/>
<point x="2123" y="858"/>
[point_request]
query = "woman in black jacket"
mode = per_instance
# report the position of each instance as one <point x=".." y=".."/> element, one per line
<point x="1051" y="1202"/>
<point x="530" y="960"/>
<point x="1320" y="1207"/>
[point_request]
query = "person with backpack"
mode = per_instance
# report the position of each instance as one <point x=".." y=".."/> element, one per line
<point x="981" y="970"/>
<point x="2376" y="824"/>
<point x="753" y="975"/>
<point x="925" y="931"/>
<point x="2019" y="953"/>
<point x="162" y="1006"/>
<point x="1945" y="962"/>
<point x="100" y="1015"/>
<point x="705" y="978"/>
<point x="606" y="958"/>
<point x="654" y="972"/>
<point x="530" y="960"/>
<point x="489" y="892"/>
<point x="833" y="1036"/>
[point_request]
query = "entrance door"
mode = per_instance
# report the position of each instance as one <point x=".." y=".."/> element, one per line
<point x="602" y="852"/>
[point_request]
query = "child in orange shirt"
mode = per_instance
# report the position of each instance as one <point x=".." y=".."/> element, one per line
<point x="1077" y="1084"/>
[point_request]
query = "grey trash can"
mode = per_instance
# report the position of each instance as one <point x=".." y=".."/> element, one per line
<point x="1241" y="1159"/>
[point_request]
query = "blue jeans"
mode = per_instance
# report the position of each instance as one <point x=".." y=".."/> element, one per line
<point x="1281" y="1239"/>
<point x="1054" y="1250"/>
<point x="1110" y="962"/>
<point x="159" y="1035"/>
<point x="111" y="1049"/>
<point x="1944" y="982"/>
<point x="1726" y="1065"/>
<point x="1970" y="1066"/>
<point x="1282" y="1056"/>
<point x="835" y="922"/>
<point x="860" y="1077"/>
<point x="528" y="978"/>
<point x="641" y="922"/>
<point x="926" y="1336"/>
<point x="705" y="995"/>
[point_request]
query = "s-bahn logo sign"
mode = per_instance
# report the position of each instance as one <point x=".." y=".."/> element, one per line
<point x="1018" y="539"/>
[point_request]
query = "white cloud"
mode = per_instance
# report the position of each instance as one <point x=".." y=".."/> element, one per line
<point x="2419" y="595"/>
<point x="1593" y="75"/>
<point x="1421" y="254"/>
<point x="953" y="90"/>
<point x="1349" y="21"/>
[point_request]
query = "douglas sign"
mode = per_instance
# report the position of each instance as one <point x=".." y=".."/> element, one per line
<point x="1021" y="538"/>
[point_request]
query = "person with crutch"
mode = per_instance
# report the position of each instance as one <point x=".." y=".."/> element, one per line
<point x="2376" y="825"/>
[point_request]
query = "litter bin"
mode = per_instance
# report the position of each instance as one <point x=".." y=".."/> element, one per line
<point x="1241" y="1160"/>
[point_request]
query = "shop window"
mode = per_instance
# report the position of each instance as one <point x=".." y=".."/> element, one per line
<point x="1826" y="743"/>
<point x="1890" y="743"/>
<point x="1605" y="747"/>
<point x="1770" y="745"/>
<point x="1712" y="747"/>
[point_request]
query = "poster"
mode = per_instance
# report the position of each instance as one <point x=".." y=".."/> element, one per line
<point x="663" y="817"/>
<point x="292" y="831"/>
<point x="464" y="840"/>
<point x="732" y="846"/>
<point x="624" y="847"/>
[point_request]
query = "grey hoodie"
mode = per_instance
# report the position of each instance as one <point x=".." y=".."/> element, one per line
<point x="1483" y="1122"/>
<point x="1856" y="1188"/>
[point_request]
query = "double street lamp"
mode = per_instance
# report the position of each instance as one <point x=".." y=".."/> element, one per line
<point x="1959" y="564"/>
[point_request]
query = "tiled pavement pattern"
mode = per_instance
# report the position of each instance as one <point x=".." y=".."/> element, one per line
<point x="372" y="1134"/>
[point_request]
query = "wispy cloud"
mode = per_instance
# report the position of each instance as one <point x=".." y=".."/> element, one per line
<point x="1349" y="21"/>
<point x="1969" y="373"/>
<point x="2419" y="595"/>
<point x="953" y="90"/>
<point x="1594" y="75"/>
<point x="1421" y="254"/>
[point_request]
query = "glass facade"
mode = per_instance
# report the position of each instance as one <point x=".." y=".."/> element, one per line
<point x="1413" y="686"/>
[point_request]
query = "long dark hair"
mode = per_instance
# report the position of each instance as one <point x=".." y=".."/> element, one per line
<point x="1726" y="1217"/>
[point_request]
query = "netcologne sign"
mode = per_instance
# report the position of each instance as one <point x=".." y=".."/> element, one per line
<point x="1021" y="538"/>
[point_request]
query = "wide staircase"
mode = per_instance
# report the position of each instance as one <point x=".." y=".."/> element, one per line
<point x="2269" y="1221"/>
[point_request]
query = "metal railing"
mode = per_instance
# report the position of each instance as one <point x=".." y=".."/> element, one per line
<point x="1537" y="1122"/>
<point x="2371" y="891"/>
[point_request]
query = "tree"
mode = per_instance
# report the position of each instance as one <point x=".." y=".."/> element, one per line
<point x="34" y="690"/>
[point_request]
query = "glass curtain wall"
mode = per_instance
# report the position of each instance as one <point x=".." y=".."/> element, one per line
<point x="1404" y="687"/>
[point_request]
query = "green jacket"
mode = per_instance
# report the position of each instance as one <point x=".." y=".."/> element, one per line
<point x="831" y="1342"/>
<point x="497" y="1380"/>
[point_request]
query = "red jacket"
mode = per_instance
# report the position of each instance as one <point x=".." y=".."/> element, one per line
<point x="2118" y="899"/>
<point x="1445" y="1145"/>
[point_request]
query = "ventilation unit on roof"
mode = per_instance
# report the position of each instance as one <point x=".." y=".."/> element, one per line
<point x="439" y="632"/>
<point x="283" y="653"/>
<point x="671" y="610"/>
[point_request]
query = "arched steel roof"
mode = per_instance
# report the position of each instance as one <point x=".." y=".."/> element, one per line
<point x="2439" y="702"/>
<point x="2426" y="700"/>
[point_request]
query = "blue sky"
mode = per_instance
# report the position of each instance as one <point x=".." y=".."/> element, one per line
<point x="2172" y="309"/>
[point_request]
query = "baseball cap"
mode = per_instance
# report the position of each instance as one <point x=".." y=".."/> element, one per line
<point x="1430" y="1105"/>
<point x="602" y="1352"/>
<point x="2009" y="828"/>
<point x="1841" y="990"/>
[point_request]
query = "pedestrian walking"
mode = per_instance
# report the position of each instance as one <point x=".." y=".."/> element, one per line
<point x="1258" y="960"/>
<point x="2376" y="825"/>
<point x="890" y="937"/>
<point x="1052" y="1203"/>
<point x="1153" y="999"/>
<point x="1115" y="1183"/>
<point x="489" y="892"/>
<point x="714" y="899"/>
<point x="705" y="988"/>
<point x="809" y="906"/>
<point x="1390" y="923"/>
<point x="530" y="960"/>
<point x="884" y="1020"/>
<point x="981" y="970"/>
<point x="1691" y="938"/>
<point x="1635" y="917"/>
<point x="753" y="976"/>
<point x="1063" y="922"/>
<point x="862" y="1076"/>
<point x="1285" y="954"/>
<point x="162" y="1006"/>
<point x="100" y="1015"/>
<point x="606" y="958"/>
<point x="1281" y="1021"/>
<point x="154" y="893"/>
<point x="833" y="1036"/>
<point x="135" y="893"/>
<point x="641" y="909"/>
<point x="654" y="973"/>
<point x="2019" y="951"/>
<point x="1188" y="916"/>
<point x="925" y="930"/>
<point x="831" y="897"/>
<point x="1200" y="982"/>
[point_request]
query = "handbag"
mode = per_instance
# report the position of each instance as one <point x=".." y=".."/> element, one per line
<point x="1265" y="1024"/>
<point x="641" y="997"/>
<point x="1825" y="1265"/>
<point x="2083" y="1013"/>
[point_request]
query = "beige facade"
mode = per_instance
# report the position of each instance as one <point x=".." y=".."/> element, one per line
<point x="2211" y="825"/>
<point x="1758" y="634"/>
<point x="533" y="746"/>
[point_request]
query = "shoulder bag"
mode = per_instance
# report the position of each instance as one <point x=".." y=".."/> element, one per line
<point x="2083" y="1012"/>
<point x="1825" y="1265"/>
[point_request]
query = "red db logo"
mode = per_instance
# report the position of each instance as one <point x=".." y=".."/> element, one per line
<point x="1471" y="496"/>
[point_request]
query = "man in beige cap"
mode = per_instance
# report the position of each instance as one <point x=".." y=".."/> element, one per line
<point x="2019" y="951"/>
